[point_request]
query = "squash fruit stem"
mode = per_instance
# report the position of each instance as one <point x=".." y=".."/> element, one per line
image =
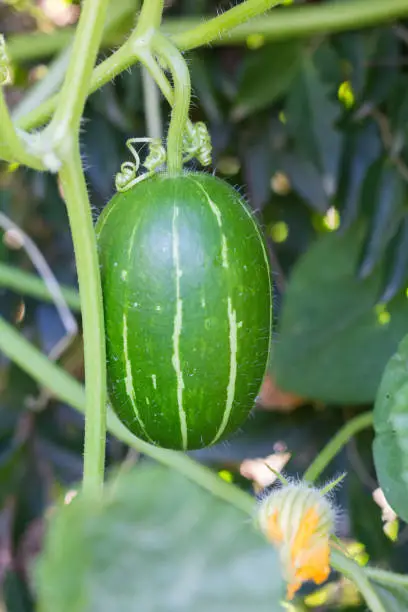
<point x="173" y="59"/>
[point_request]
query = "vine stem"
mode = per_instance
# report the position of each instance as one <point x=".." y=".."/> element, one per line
<point x="63" y="386"/>
<point x="150" y="17"/>
<point x="12" y="148"/>
<point x="151" y="97"/>
<point x="387" y="578"/>
<point x="358" y="575"/>
<point x="341" y="438"/>
<point x="83" y="236"/>
<point x="71" y="100"/>
<point x="292" y="22"/>
<point x="64" y="141"/>
<point x="218" y="26"/>
<point x="172" y="57"/>
<point x="132" y="50"/>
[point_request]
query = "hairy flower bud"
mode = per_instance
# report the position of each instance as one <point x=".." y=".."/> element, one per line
<point x="299" y="521"/>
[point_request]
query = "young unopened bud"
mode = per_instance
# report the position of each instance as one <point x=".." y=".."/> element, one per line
<point x="299" y="521"/>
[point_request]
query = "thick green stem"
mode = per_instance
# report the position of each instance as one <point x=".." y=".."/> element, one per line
<point x="26" y="283"/>
<point x="83" y="235"/>
<point x="12" y="148"/>
<point x="157" y="74"/>
<point x="82" y="60"/>
<point x="64" y="135"/>
<point x="150" y="16"/>
<point x="168" y="53"/>
<point x="335" y="445"/>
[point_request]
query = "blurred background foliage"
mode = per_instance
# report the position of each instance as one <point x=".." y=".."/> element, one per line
<point x="314" y="133"/>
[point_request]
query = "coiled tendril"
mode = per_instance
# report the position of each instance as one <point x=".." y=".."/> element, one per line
<point x="127" y="177"/>
<point x="196" y="143"/>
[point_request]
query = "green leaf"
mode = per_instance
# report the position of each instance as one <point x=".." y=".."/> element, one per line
<point x="391" y="429"/>
<point x="382" y="198"/>
<point x="383" y="74"/>
<point x="396" y="262"/>
<point x="266" y="75"/>
<point x="311" y="117"/>
<point x="334" y="340"/>
<point x="156" y="542"/>
<point x="361" y="148"/>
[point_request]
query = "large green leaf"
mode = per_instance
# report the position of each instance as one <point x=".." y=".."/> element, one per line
<point x="391" y="428"/>
<point x="156" y="543"/>
<point x="266" y="75"/>
<point x="334" y="341"/>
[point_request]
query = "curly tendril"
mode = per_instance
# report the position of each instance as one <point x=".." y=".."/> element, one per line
<point x="196" y="143"/>
<point x="127" y="177"/>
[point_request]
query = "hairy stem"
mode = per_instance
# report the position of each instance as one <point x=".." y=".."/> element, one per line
<point x="64" y="134"/>
<point x="157" y="74"/>
<point x="12" y="148"/>
<point x="218" y="26"/>
<point x="335" y="445"/>
<point x="186" y="34"/>
<point x="168" y="53"/>
<point x="293" y="22"/>
<point x="358" y="575"/>
<point x="299" y="21"/>
<point x="82" y="60"/>
<point x="150" y="16"/>
<point x="83" y="235"/>
<point x="151" y="96"/>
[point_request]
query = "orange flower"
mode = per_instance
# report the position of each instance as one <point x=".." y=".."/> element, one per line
<point x="299" y="521"/>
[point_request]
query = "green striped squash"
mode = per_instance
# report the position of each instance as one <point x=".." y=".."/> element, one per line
<point x="187" y="300"/>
